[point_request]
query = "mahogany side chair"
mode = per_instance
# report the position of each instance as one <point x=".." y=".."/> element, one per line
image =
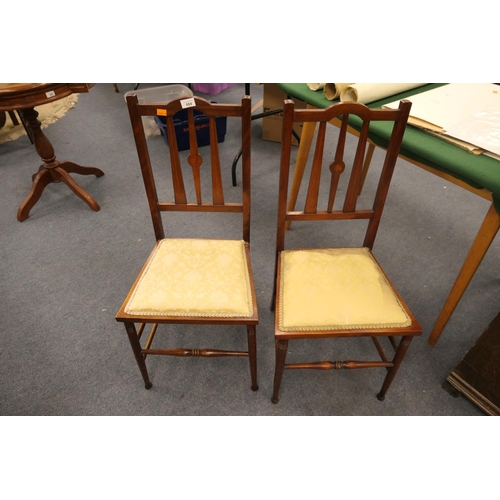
<point x="190" y="280"/>
<point x="324" y="293"/>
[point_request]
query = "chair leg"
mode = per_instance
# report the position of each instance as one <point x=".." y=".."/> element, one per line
<point x="136" y="347"/>
<point x="252" y="355"/>
<point x="398" y="358"/>
<point x="281" y="348"/>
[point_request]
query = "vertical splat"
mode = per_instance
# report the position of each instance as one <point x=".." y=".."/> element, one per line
<point x="357" y="170"/>
<point x="338" y="165"/>
<point x="179" y="191"/>
<point x="194" y="159"/>
<point x="217" y="190"/>
<point x="314" y="180"/>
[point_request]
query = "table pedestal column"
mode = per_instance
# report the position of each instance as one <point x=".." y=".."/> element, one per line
<point x="51" y="170"/>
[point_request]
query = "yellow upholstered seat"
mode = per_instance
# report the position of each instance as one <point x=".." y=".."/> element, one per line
<point x="194" y="277"/>
<point x="336" y="289"/>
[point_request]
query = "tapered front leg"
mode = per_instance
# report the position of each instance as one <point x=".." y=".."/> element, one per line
<point x="136" y="347"/>
<point x="252" y="355"/>
<point x="398" y="358"/>
<point x="281" y="348"/>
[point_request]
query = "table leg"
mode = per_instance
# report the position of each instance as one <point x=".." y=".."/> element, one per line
<point x="366" y="165"/>
<point x="69" y="181"/>
<point x="40" y="181"/>
<point x="306" y="138"/>
<point x="484" y="238"/>
<point x="51" y="170"/>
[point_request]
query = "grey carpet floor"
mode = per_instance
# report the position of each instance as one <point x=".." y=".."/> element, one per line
<point x="66" y="270"/>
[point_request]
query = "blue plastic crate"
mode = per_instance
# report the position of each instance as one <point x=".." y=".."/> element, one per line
<point x="201" y="122"/>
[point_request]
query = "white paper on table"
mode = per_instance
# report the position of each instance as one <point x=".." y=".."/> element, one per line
<point x="482" y="129"/>
<point x="369" y="92"/>
<point x="469" y="112"/>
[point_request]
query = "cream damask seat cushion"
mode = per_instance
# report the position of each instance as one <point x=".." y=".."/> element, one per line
<point x="336" y="289"/>
<point x="194" y="277"/>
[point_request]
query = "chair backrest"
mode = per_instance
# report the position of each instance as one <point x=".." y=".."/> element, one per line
<point x="340" y="113"/>
<point x="196" y="158"/>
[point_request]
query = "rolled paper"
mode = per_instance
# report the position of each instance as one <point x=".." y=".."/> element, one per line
<point x="369" y="92"/>
<point x="333" y="90"/>
<point x="316" y="86"/>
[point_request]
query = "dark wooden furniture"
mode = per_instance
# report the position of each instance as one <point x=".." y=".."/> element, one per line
<point x="477" y="376"/>
<point x="338" y="292"/>
<point x="24" y="97"/>
<point x="194" y="280"/>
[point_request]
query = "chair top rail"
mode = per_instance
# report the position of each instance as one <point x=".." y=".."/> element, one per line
<point x="206" y="107"/>
<point x="343" y="108"/>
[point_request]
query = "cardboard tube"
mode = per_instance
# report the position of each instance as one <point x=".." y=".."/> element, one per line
<point x="333" y="90"/>
<point x="369" y="92"/>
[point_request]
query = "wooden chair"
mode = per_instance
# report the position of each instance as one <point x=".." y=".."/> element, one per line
<point x="338" y="292"/>
<point x="193" y="280"/>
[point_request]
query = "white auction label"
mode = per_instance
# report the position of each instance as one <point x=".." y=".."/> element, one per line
<point x="50" y="94"/>
<point x="188" y="103"/>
